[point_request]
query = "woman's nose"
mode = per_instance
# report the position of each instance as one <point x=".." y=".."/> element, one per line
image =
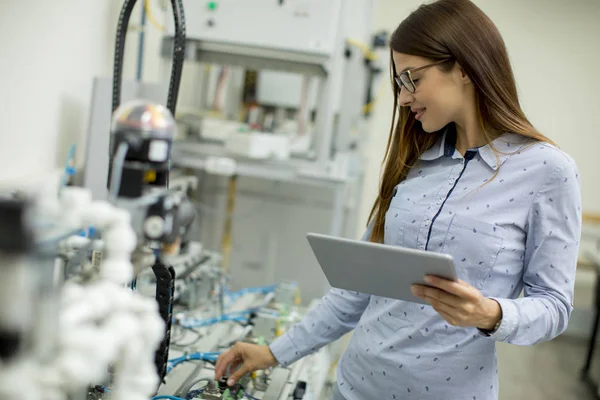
<point x="406" y="97"/>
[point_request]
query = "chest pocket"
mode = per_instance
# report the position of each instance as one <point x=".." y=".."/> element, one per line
<point x="399" y="214"/>
<point x="474" y="245"/>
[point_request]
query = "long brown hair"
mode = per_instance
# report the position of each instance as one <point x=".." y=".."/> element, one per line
<point x="459" y="31"/>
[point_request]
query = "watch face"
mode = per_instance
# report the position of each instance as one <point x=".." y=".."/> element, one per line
<point x="490" y="333"/>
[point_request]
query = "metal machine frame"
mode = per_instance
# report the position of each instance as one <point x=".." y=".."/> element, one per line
<point x="339" y="109"/>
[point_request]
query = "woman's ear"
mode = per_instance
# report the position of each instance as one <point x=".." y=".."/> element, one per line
<point x="465" y="79"/>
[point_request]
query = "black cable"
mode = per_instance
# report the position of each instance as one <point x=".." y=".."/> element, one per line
<point x="177" y="343"/>
<point x="177" y="57"/>
<point x="165" y="287"/>
<point x="186" y="386"/>
<point x="165" y="274"/>
<point x="122" y="25"/>
<point x="178" y="54"/>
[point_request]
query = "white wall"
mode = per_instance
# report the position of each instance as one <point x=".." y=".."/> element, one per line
<point x="49" y="53"/>
<point x="554" y="47"/>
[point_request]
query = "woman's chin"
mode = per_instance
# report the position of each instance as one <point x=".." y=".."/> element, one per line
<point x="429" y="127"/>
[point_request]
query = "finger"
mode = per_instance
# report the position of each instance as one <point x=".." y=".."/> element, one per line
<point x="244" y="369"/>
<point x="438" y="295"/>
<point x="222" y="362"/>
<point x="218" y="367"/>
<point x="441" y="307"/>
<point x="233" y="366"/>
<point x="458" y="288"/>
<point x="449" y="318"/>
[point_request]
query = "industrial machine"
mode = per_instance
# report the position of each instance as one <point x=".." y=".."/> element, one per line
<point x="60" y="335"/>
<point x="80" y="319"/>
<point x="130" y="286"/>
<point x="277" y="100"/>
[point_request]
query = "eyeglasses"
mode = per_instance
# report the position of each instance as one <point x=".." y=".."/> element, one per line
<point x="405" y="78"/>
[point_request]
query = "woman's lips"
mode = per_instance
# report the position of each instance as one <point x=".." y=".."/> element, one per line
<point x="419" y="113"/>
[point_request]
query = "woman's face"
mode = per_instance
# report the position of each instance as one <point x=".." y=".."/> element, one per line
<point x="440" y="95"/>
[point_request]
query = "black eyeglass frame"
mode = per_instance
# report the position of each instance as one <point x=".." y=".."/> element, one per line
<point x="405" y="78"/>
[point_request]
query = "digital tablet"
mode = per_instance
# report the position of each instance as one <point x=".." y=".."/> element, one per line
<point x="377" y="269"/>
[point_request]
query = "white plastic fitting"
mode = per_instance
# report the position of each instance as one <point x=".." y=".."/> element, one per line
<point x="101" y="323"/>
<point x="116" y="270"/>
<point x="120" y="241"/>
<point x="73" y="201"/>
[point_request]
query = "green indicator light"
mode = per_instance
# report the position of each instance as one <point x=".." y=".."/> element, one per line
<point x="212" y="5"/>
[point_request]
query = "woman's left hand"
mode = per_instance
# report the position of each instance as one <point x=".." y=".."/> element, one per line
<point x="459" y="303"/>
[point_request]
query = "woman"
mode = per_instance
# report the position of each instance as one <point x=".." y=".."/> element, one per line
<point x="468" y="175"/>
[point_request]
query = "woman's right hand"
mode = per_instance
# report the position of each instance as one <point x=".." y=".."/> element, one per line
<point x="244" y="358"/>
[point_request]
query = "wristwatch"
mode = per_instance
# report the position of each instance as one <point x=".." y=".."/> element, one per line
<point x="490" y="332"/>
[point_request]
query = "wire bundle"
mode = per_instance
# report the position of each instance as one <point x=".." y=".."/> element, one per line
<point x="198" y="323"/>
<point x="234" y="316"/>
<point x="233" y="296"/>
<point x="209" y="357"/>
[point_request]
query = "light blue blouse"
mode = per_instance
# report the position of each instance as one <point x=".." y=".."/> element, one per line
<point x="512" y="222"/>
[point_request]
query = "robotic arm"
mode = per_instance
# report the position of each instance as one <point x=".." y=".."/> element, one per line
<point x="140" y="153"/>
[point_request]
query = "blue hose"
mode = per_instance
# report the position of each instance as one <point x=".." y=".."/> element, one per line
<point x="210" y="356"/>
<point x="167" y="397"/>
<point x="198" y="323"/>
<point x="250" y="397"/>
